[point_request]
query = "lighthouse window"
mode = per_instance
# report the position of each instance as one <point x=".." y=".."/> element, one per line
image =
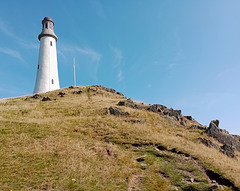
<point x="38" y="66"/>
<point x="46" y="25"/>
<point x="50" y="43"/>
<point x="52" y="81"/>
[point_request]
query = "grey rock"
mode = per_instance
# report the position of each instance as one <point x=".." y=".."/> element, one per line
<point x="189" y="118"/>
<point x="208" y="143"/>
<point x="119" y="93"/>
<point x="157" y="108"/>
<point x="121" y="103"/>
<point x="222" y="136"/>
<point x="216" y="122"/>
<point x="117" y="111"/>
<point x="128" y="103"/>
<point x="225" y="149"/>
<point x="96" y="87"/>
<point x="61" y="94"/>
<point x="77" y="92"/>
<point x="46" y="99"/>
<point x="198" y="127"/>
<point x="164" y="110"/>
<point x="36" y="96"/>
<point x="228" y="150"/>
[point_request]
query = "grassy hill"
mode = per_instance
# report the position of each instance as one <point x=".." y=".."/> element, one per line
<point x="74" y="142"/>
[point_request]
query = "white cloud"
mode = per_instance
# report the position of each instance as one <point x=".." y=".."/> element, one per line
<point x="89" y="57"/>
<point x="28" y="45"/>
<point x="117" y="52"/>
<point x="118" y="56"/>
<point x="95" y="56"/>
<point x="118" y="61"/>
<point x="12" y="53"/>
<point x="25" y="44"/>
<point x="5" y="30"/>
<point x="60" y="52"/>
<point x="178" y="57"/>
<point x="120" y="76"/>
<point x="73" y="50"/>
<point x="98" y="7"/>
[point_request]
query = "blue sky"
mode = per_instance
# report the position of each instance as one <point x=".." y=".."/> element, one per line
<point x="184" y="54"/>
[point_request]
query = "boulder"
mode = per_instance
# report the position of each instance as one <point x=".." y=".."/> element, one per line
<point x="119" y="93"/>
<point x="121" y="103"/>
<point x="46" y="99"/>
<point x="61" y="94"/>
<point x="117" y="111"/>
<point x="128" y="103"/>
<point x="189" y="118"/>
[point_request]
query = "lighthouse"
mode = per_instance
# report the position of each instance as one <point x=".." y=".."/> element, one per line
<point x="47" y="69"/>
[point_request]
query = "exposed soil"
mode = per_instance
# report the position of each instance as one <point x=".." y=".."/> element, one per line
<point x="134" y="183"/>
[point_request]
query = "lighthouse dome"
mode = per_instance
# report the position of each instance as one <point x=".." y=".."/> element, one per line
<point x="47" y="19"/>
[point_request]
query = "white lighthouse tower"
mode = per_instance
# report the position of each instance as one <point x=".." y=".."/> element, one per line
<point x="47" y="70"/>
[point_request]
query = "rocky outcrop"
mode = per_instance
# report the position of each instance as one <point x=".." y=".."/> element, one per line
<point x="98" y="89"/>
<point x="170" y="114"/>
<point x="103" y="88"/>
<point x="164" y="110"/>
<point x="222" y="135"/>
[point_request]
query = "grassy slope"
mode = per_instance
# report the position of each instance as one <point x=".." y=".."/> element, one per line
<point x="72" y="143"/>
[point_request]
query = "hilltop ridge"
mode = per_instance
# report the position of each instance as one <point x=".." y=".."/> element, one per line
<point x="94" y="138"/>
